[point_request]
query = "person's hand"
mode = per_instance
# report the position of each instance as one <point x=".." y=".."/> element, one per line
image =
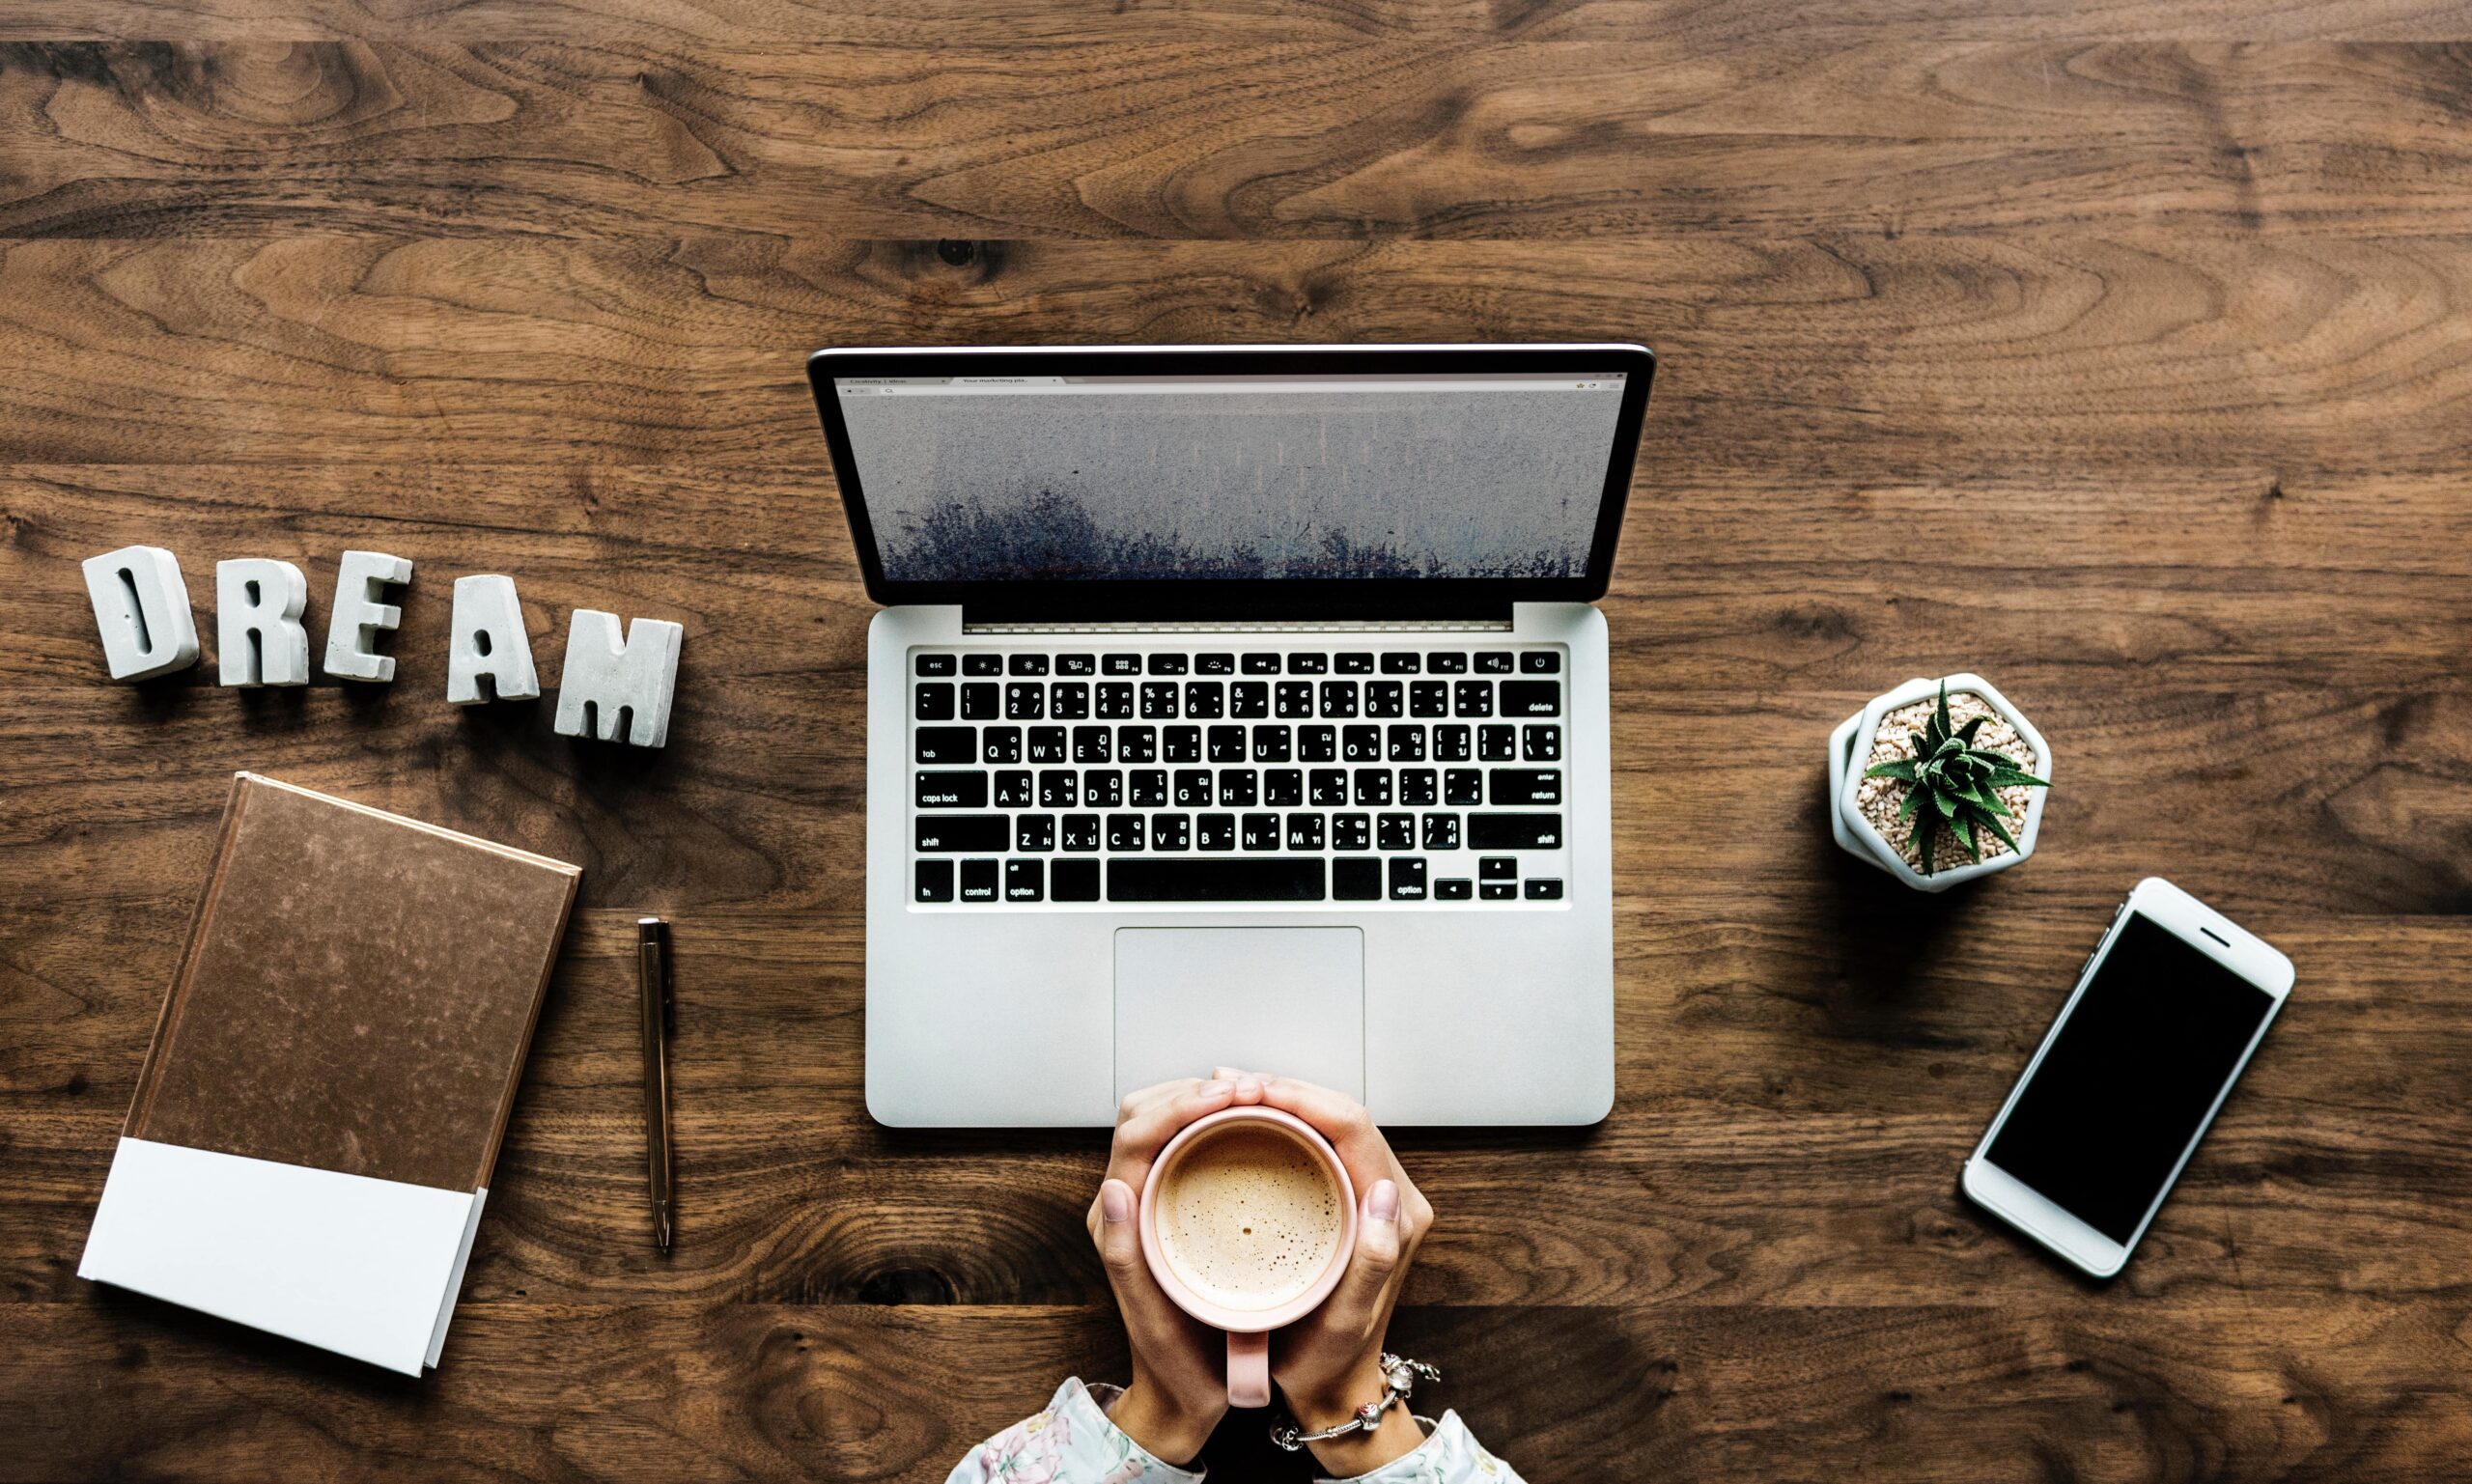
<point x="1179" y="1389"/>
<point x="1329" y="1363"/>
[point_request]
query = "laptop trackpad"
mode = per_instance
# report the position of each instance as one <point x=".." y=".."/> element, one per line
<point x="1287" y="1000"/>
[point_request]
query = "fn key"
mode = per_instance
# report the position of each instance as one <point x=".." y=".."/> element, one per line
<point x="935" y="880"/>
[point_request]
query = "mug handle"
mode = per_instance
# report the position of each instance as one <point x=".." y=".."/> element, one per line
<point x="1249" y="1369"/>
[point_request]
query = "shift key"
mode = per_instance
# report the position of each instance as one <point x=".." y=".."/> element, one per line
<point x="980" y="834"/>
<point x="1510" y="831"/>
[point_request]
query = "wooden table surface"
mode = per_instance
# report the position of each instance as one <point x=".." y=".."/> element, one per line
<point x="2117" y="350"/>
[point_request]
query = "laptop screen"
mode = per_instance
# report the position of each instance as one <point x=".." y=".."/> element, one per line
<point x="1295" y="472"/>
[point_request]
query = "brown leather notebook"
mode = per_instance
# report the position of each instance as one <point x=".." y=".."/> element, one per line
<point x="358" y="992"/>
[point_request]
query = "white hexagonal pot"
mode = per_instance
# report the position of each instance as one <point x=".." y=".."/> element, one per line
<point x="1853" y="740"/>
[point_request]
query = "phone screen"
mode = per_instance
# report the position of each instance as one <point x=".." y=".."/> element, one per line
<point x="2130" y="1079"/>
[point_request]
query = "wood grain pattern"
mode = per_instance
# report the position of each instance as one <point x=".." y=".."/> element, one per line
<point x="2115" y="351"/>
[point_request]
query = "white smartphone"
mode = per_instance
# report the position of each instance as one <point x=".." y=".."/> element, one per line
<point x="2166" y="1011"/>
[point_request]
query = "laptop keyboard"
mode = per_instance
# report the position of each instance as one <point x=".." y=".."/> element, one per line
<point x="1400" y="775"/>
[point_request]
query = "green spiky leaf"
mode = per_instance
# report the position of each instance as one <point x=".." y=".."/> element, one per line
<point x="1902" y="768"/>
<point x="1965" y="733"/>
<point x="1962" y="782"/>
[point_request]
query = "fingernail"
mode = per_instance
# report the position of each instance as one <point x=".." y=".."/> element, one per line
<point x="1382" y="1204"/>
<point x="1248" y="1085"/>
<point x="1217" y="1089"/>
<point x="1115" y="1200"/>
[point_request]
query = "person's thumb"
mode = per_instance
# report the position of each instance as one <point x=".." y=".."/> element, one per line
<point x="1119" y="1235"/>
<point x="1377" y="1250"/>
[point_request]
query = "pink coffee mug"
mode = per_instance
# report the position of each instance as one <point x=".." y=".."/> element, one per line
<point x="1248" y="1330"/>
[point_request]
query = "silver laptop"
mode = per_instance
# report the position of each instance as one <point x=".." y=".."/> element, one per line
<point x="1242" y="706"/>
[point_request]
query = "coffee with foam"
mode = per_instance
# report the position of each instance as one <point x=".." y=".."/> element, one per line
<point x="1248" y="1218"/>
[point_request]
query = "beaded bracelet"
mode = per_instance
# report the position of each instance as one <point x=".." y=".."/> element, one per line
<point x="1399" y="1378"/>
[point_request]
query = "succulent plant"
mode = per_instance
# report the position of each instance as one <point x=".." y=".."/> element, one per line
<point x="1955" y="785"/>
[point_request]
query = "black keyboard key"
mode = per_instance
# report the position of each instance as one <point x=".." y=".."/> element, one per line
<point x="1248" y="700"/>
<point x="1514" y="832"/>
<point x="1124" y="831"/>
<point x="1493" y="662"/>
<point x="1093" y="744"/>
<point x="951" y="834"/>
<point x="1227" y="879"/>
<point x="1330" y="787"/>
<point x="1137" y="745"/>
<point x="978" y="880"/>
<point x="1059" y="788"/>
<point x="1166" y="664"/>
<point x="1121" y="664"/>
<point x="1171" y="831"/>
<point x="1351" y="832"/>
<point x="1258" y="831"/>
<point x="1498" y="868"/>
<point x="1205" y="700"/>
<point x="1034" y="832"/>
<point x="982" y="664"/>
<point x="1149" y="788"/>
<point x="1294" y="698"/>
<point x="1238" y="788"/>
<point x="1271" y="743"/>
<point x="1116" y="700"/>
<point x="1074" y="881"/>
<point x="1182" y="744"/>
<point x="1532" y="697"/>
<point x="1214" y="664"/>
<point x="1449" y="888"/>
<point x="1442" y="832"/>
<point x="1540" y="661"/>
<point x="935" y="701"/>
<point x="1000" y="744"/>
<point x="1317" y="744"/>
<point x="1192" y="787"/>
<point x="1394" y="832"/>
<point x="1228" y="745"/>
<point x="1407" y="744"/>
<point x="1402" y="662"/>
<point x="1069" y="700"/>
<point x="935" y="878"/>
<point x="1416" y="787"/>
<point x="1407" y="877"/>
<point x="1463" y="787"/>
<point x="1027" y="664"/>
<point x="1261" y="664"/>
<point x="1013" y="789"/>
<point x="1025" y="700"/>
<point x="1077" y="832"/>
<point x="1305" y="831"/>
<point x="1497" y="742"/>
<point x="1047" y="744"/>
<point x="1498" y="891"/>
<point x="1283" y="788"/>
<point x="1385" y="698"/>
<point x="1214" y="832"/>
<point x="1076" y="664"/>
<point x="1357" y="879"/>
<point x="1472" y="697"/>
<point x="947" y="745"/>
<point x="1429" y="698"/>
<point x="1103" y="788"/>
<point x="952" y="791"/>
<point x="1360" y="744"/>
<point x="1544" y="888"/>
<point x="1338" y="698"/>
<point x="1541" y="742"/>
<point x="938" y="664"/>
<point x="982" y="700"/>
<point x="1519" y="786"/>
<point x="1453" y="742"/>
<point x="1356" y="664"/>
<point x="1024" y="880"/>
<point x="1372" y="787"/>
<point x="1308" y="664"/>
<point x="1447" y="662"/>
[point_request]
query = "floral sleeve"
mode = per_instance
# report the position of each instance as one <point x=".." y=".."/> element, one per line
<point x="1071" y="1443"/>
<point x="1451" y="1455"/>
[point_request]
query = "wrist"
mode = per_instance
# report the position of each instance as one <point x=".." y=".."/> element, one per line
<point x="1172" y="1432"/>
<point x="1330" y="1404"/>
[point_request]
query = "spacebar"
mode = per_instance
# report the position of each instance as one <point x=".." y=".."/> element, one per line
<point x="1197" y="880"/>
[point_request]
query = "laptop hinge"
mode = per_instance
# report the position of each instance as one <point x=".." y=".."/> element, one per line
<point x="1501" y="625"/>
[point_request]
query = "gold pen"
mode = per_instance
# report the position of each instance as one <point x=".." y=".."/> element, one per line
<point x="653" y="978"/>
